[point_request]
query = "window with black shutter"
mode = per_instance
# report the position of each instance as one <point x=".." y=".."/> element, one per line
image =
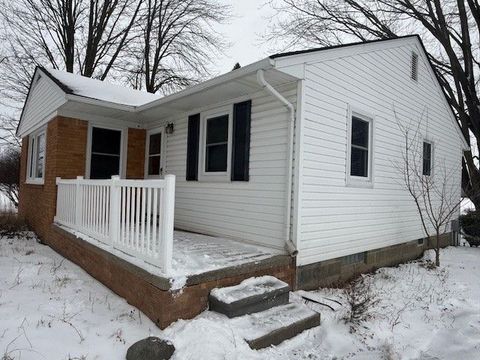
<point x="218" y="145"/>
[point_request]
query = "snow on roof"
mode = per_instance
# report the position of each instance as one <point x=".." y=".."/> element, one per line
<point x="97" y="89"/>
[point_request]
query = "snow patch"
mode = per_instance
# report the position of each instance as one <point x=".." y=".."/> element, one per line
<point x="250" y="287"/>
<point x="102" y="90"/>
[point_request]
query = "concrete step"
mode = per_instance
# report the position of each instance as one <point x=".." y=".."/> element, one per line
<point x="275" y="325"/>
<point x="250" y="296"/>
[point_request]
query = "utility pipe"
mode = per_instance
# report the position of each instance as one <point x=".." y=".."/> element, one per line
<point x="289" y="245"/>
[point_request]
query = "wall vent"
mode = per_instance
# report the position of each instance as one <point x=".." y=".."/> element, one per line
<point x="354" y="258"/>
<point x="414" y="67"/>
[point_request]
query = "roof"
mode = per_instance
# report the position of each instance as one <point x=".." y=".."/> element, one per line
<point x="102" y="93"/>
<point x="79" y="85"/>
<point x="324" y="48"/>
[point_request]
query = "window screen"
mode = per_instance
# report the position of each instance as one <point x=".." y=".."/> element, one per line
<point x="154" y="154"/>
<point x="359" y="147"/>
<point x="105" y="160"/>
<point x="427" y="158"/>
<point x="216" y="145"/>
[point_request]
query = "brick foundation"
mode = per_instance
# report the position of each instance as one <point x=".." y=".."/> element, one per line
<point x="340" y="270"/>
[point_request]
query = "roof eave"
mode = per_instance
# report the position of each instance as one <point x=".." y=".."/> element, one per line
<point x="265" y="64"/>
<point x="93" y="101"/>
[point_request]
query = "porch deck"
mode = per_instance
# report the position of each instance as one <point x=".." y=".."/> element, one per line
<point x="133" y="220"/>
<point x="194" y="255"/>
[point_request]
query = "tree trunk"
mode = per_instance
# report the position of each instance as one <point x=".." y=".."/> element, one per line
<point x="437" y="248"/>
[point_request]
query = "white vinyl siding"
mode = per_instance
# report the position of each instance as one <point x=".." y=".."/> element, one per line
<point x="44" y="99"/>
<point x="336" y="219"/>
<point x="252" y="211"/>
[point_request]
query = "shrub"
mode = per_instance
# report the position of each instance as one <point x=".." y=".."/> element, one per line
<point x="11" y="225"/>
<point x="360" y="301"/>
<point x="470" y="224"/>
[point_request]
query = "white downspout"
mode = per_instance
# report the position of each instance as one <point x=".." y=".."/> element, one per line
<point x="289" y="245"/>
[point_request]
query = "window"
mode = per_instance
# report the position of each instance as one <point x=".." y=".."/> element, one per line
<point x="216" y="144"/>
<point x="359" y="154"/>
<point x="427" y="158"/>
<point x="154" y="154"/>
<point x="414" y="67"/>
<point x="105" y="153"/>
<point x="36" y="165"/>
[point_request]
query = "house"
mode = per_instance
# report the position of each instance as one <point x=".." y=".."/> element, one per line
<point x="257" y="170"/>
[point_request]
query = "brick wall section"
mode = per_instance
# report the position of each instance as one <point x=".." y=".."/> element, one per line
<point x="136" y="153"/>
<point x="338" y="271"/>
<point x="66" y="142"/>
<point x="138" y="287"/>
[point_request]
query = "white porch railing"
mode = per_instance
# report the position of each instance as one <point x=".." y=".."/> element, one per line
<point x="133" y="216"/>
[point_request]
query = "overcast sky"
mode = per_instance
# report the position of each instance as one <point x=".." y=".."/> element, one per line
<point x="242" y="32"/>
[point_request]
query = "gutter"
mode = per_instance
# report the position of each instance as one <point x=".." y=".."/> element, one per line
<point x="289" y="245"/>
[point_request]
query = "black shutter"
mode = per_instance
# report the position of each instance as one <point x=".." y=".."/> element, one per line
<point x="192" y="147"/>
<point x="241" y="140"/>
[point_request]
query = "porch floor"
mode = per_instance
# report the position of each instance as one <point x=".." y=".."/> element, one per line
<point x="195" y="255"/>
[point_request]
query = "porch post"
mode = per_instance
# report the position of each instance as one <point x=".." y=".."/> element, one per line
<point x="78" y="203"/>
<point x="166" y="251"/>
<point x="57" y="180"/>
<point x="114" y="210"/>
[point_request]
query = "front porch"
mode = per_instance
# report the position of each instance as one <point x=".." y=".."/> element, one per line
<point x="134" y="221"/>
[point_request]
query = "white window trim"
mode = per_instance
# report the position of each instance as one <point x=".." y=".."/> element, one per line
<point x="158" y="130"/>
<point x="432" y="156"/>
<point x="32" y="157"/>
<point x="360" y="181"/>
<point x="215" y="176"/>
<point x="123" y="147"/>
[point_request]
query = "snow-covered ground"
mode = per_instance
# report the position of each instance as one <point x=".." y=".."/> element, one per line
<point x="51" y="309"/>
<point x="5" y="204"/>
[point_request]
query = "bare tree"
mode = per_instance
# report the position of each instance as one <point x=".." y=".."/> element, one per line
<point x="176" y="43"/>
<point x="8" y="127"/>
<point x="450" y="29"/>
<point x="81" y="36"/>
<point x="433" y="185"/>
<point x="10" y="173"/>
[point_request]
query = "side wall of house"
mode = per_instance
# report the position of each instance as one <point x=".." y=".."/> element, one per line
<point x="66" y="142"/>
<point x="338" y="219"/>
<point x="252" y="211"/>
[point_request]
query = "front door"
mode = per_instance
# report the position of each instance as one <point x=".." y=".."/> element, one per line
<point x="154" y="158"/>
